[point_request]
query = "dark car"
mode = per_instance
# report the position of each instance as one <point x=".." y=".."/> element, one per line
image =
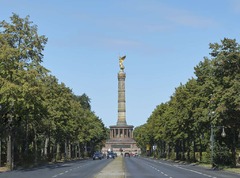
<point x="110" y="155"/>
<point x="97" y="155"/>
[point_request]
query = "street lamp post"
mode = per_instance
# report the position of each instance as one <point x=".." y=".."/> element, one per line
<point x="223" y="134"/>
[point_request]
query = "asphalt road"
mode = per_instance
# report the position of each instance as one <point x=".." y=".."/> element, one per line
<point x="134" y="167"/>
<point x="149" y="168"/>
<point x="73" y="169"/>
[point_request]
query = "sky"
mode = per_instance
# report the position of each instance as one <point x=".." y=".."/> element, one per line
<point x="163" y="41"/>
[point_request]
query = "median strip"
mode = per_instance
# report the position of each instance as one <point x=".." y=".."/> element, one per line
<point x="114" y="169"/>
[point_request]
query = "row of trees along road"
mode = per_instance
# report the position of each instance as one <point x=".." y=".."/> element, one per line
<point x="40" y="119"/>
<point x="180" y="128"/>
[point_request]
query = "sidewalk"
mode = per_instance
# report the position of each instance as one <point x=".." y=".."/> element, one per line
<point x="115" y="169"/>
<point x="3" y="169"/>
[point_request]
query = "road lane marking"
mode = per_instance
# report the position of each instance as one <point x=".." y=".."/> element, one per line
<point x="178" y="166"/>
<point x="197" y="172"/>
<point x="61" y="173"/>
<point x="156" y="169"/>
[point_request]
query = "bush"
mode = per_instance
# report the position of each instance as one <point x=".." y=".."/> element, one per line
<point x="222" y="155"/>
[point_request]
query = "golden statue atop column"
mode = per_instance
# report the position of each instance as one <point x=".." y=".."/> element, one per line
<point x="121" y="59"/>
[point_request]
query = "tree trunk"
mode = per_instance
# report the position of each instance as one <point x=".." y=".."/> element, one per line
<point x="183" y="150"/>
<point x="9" y="152"/>
<point x="35" y="147"/>
<point x="178" y="144"/>
<point x="66" y="150"/>
<point x="58" y="156"/>
<point x="49" y="148"/>
<point x="0" y="151"/>
<point x="188" y="149"/>
<point x="234" y="150"/>
<point x="79" y="150"/>
<point x="76" y="150"/>
<point x="164" y="148"/>
<point x="69" y="150"/>
<point x="194" y="150"/>
<point x="46" y="147"/>
<point x="168" y="152"/>
<point x="200" y="150"/>
<point x="26" y="141"/>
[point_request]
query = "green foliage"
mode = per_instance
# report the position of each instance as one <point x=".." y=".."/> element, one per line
<point x="222" y="156"/>
<point x="183" y="123"/>
<point x="84" y="101"/>
<point x="35" y="109"/>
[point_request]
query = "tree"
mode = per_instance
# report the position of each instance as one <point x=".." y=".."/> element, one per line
<point x="226" y="63"/>
<point x="85" y="101"/>
<point x="183" y="122"/>
<point x="40" y="119"/>
<point x="21" y="72"/>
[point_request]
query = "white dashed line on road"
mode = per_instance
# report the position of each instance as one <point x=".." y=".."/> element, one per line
<point x="67" y="171"/>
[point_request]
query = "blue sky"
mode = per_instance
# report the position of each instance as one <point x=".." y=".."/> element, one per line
<point x="163" y="41"/>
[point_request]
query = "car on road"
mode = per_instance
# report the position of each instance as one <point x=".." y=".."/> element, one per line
<point x="97" y="155"/>
<point x="111" y="155"/>
<point x="135" y="155"/>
